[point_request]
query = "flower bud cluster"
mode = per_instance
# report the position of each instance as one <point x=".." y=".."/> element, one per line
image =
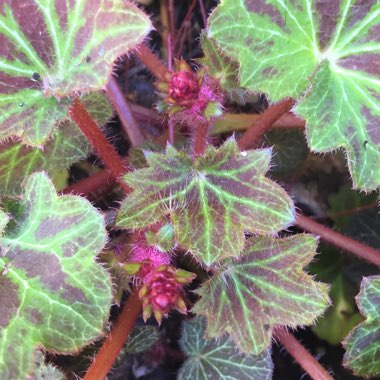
<point x="161" y="284"/>
<point x="190" y="97"/>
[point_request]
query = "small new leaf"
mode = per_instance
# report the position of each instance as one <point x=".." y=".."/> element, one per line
<point x="52" y="292"/>
<point x="51" y="50"/>
<point x="211" y="200"/>
<point x="222" y="68"/>
<point x="218" y="358"/>
<point x="265" y="287"/>
<point x="363" y="343"/>
<point x="325" y="54"/>
<point x="45" y="371"/>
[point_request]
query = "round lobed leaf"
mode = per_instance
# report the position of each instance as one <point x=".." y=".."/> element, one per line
<point x="51" y="50"/>
<point x="52" y="292"/>
<point x="323" y="53"/>
<point x="141" y="339"/>
<point x="67" y="145"/>
<point x="265" y="287"/>
<point x="211" y="200"/>
<point x="363" y="343"/>
<point x="218" y="358"/>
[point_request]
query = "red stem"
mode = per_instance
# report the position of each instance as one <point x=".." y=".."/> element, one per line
<point x="171" y="131"/>
<point x="346" y="212"/>
<point x="146" y="115"/>
<point x="264" y="122"/>
<point x="97" y="139"/>
<point x="361" y="250"/>
<point x="124" y="111"/>
<point x="98" y="182"/>
<point x="301" y="355"/>
<point x="111" y="347"/>
<point x="200" y="139"/>
<point x="145" y="55"/>
<point x="204" y="14"/>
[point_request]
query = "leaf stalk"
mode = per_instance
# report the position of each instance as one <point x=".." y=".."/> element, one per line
<point x="145" y="55"/>
<point x="264" y="122"/>
<point x="95" y="136"/>
<point x="111" y="347"/>
<point x="301" y="355"/>
<point x="339" y="240"/>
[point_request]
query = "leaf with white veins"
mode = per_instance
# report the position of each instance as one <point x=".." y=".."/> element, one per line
<point x="265" y="287"/>
<point x="211" y="200"/>
<point x="218" y="358"/>
<point x="51" y="50"/>
<point x="52" y="292"/>
<point x="363" y="343"/>
<point x="326" y="55"/>
<point x="67" y="146"/>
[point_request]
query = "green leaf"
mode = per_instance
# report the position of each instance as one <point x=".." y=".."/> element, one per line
<point x="342" y="315"/>
<point x="53" y="293"/>
<point x="221" y="68"/>
<point x="45" y="371"/>
<point x="363" y="343"/>
<point x="218" y="358"/>
<point x="324" y="54"/>
<point x="68" y="145"/>
<point x="365" y="226"/>
<point x="347" y="199"/>
<point x="289" y="149"/>
<point x="163" y="240"/>
<point x="51" y="50"/>
<point x="264" y="288"/>
<point x="211" y="200"/>
<point x="141" y="339"/>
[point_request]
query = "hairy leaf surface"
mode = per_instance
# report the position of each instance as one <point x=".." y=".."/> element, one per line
<point x="141" y="339"/>
<point x="53" y="293"/>
<point x="50" y="50"/>
<point x="45" y="371"/>
<point x="211" y="200"/>
<point x="218" y="358"/>
<point x="323" y="53"/>
<point x="265" y="287"/>
<point x="68" y="145"/>
<point x="363" y="343"/>
<point x="222" y="68"/>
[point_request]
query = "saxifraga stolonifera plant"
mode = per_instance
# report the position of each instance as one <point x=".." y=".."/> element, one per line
<point x="193" y="213"/>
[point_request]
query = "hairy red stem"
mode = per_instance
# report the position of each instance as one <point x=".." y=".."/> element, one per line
<point x="200" y="139"/>
<point x="171" y="131"/>
<point x="346" y="212"/>
<point x="97" y="139"/>
<point x="147" y="115"/>
<point x="96" y="183"/>
<point x="145" y="55"/>
<point x="264" y="122"/>
<point x="111" y="347"/>
<point x="301" y="355"/>
<point x="124" y="111"/>
<point x="341" y="241"/>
